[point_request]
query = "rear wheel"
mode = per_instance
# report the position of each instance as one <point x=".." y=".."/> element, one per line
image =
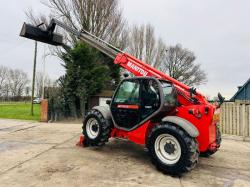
<point x="96" y="129"/>
<point x="171" y="149"/>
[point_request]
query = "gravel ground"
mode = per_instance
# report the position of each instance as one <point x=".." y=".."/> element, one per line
<point x="40" y="154"/>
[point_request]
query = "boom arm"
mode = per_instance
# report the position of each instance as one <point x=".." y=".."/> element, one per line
<point x="87" y="37"/>
<point x="128" y="62"/>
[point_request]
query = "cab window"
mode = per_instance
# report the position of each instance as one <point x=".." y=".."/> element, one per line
<point x="128" y="93"/>
<point x="169" y="95"/>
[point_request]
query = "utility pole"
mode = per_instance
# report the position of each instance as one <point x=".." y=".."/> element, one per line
<point x="33" y="79"/>
<point x="43" y="86"/>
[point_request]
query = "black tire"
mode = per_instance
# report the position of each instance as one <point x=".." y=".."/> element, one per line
<point x="103" y="126"/>
<point x="189" y="149"/>
<point x="208" y="153"/>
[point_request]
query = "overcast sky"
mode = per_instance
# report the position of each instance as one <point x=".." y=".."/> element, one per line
<point x="217" y="31"/>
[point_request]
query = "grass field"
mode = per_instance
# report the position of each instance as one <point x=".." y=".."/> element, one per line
<point x="19" y="111"/>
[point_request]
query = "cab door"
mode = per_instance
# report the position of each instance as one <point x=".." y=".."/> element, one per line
<point x="126" y="104"/>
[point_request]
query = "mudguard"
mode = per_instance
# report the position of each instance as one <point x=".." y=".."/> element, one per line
<point x="105" y="111"/>
<point x="184" y="124"/>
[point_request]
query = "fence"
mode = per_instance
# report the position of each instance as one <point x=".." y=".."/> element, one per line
<point x="235" y="119"/>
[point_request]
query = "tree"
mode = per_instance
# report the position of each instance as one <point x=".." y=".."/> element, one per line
<point x="27" y="91"/>
<point x="3" y="78"/>
<point x="179" y="64"/>
<point x="85" y="75"/>
<point x="39" y="84"/>
<point x="145" y="46"/>
<point x="17" y="82"/>
<point x="12" y="82"/>
<point x="40" y="77"/>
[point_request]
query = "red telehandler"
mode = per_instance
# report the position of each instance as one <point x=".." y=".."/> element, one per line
<point x="174" y="122"/>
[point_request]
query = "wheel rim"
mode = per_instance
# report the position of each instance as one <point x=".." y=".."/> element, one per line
<point x="167" y="149"/>
<point x="92" y="128"/>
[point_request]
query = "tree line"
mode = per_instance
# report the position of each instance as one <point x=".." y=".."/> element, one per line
<point x="105" y="19"/>
<point x="15" y="84"/>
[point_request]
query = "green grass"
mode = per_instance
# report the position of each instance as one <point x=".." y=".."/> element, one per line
<point x="19" y="110"/>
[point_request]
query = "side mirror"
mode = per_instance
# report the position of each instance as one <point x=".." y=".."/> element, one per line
<point x="108" y="102"/>
<point x="221" y="99"/>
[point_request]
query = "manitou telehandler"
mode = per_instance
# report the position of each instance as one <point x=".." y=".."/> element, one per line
<point x="174" y="122"/>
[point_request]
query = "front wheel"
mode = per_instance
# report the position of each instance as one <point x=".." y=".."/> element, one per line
<point x="171" y="149"/>
<point x="96" y="129"/>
